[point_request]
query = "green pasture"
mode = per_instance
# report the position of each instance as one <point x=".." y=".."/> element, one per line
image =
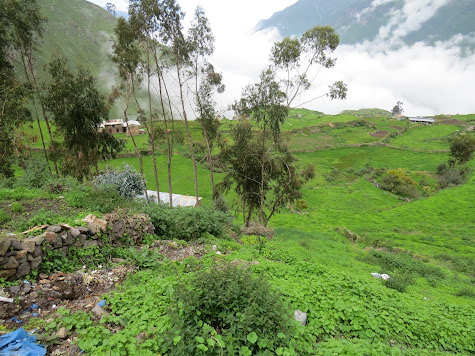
<point x="426" y="137"/>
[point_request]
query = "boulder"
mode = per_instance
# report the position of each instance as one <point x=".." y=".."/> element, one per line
<point x="11" y="264"/>
<point x="21" y="254"/>
<point x="35" y="262"/>
<point x="4" y="246"/>
<point x="54" y="228"/>
<point x="29" y="245"/>
<point x="95" y="224"/>
<point x="23" y="270"/>
<point x="7" y="273"/>
<point x="301" y="317"/>
<point x="62" y="333"/>
<point x="15" y="244"/>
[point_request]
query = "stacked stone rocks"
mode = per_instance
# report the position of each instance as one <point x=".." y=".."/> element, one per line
<point x="18" y="257"/>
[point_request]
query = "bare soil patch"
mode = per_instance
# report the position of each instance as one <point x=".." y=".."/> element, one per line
<point x="399" y="128"/>
<point x="452" y="122"/>
<point x="378" y="134"/>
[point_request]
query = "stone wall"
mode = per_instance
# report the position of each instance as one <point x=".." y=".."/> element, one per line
<point x="18" y="257"/>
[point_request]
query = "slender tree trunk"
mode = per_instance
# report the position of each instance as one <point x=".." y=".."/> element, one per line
<point x="150" y="130"/>
<point x="248" y="219"/>
<point x="36" y="114"/>
<point x="205" y="132"/>
<point x="137" y="152"/>
<point x="190" y="139"/>
<point x="43" y="109"/>
<point x="210" y="161"/>
<point x="261" y="208"/>
<point x="167" y="134"/>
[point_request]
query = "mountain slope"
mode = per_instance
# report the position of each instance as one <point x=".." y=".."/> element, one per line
<point x="79" y="30"/>
<point x="360" y="20"/>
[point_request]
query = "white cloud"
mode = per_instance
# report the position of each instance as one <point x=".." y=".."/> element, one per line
<point x="374" y="5"/>
<point x="429" y="80"/>
<point x="408" y="19"/>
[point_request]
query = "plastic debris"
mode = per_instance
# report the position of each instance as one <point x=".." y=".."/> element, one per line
<point x="102" y="303"/>
<point x="16" y="320"/>
<point x="383" y="276"/>
<point x="21" y="343"/>
<point x="33" y="306"/>
<point x="6" y="300"/>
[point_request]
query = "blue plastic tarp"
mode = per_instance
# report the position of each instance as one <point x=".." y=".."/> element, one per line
<point x="20" y="343"/>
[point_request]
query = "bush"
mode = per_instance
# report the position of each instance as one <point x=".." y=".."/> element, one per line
<point x="37" y="173"/>
<point x="397" y="181"/>
<point x="4" y="217"/>
<point x="103" y="200"/>
<point x="465" y="292"/>
<point x="186" y="223"/>
<point x="127" y="181"/>
<point x="448" y="176"/>
<point x="399" y="282"/>
<point x="17" y="207"/>
<point x="404" y="262"/>
<point x="226" y="309"/>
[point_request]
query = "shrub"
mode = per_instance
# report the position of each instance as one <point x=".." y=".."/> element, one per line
<point x="232" y="311"/>
<point x="399" y="282"/>
<point x="17" y="207"/>
<point x="187" y="223"/>
<point x="127" y="181"/>
<point x="4" y="217"/>
<point x="37" y="173"/>
<point x="449" y="176"/>
<point x="404" y="263"/>
<point x="397" y="181"/>
<point x="103" y="200"/>
<point x="465" y="292"/>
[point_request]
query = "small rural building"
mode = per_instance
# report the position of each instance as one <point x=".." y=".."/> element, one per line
<point x="131" y="127"/>
<point x="422" y="120"/>
<point x="113" y="126"/>
<point x="178" y="199"/>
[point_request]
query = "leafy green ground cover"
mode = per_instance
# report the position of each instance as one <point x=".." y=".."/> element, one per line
<point x="322" y="256"/>
<point x="349" y="311"/>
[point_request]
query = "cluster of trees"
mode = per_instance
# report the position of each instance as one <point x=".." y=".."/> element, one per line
<point x="68" y="100"/>
<point x="153" y="54"/>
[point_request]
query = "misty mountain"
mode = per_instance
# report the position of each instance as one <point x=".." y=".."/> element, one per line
<point x="78" y="30"/>
<point x="396" y="22"/>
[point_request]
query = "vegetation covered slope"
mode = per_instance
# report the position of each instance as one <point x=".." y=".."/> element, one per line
<point x="79" y="30"/>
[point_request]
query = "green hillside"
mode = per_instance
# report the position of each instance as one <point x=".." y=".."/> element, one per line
<point x="320" y="259"/>
<point x="81" y="31"/>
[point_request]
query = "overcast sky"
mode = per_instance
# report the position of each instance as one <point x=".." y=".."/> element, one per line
<point x="428" y="80"/>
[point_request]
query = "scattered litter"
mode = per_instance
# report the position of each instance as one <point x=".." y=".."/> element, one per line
<point x="16" y="320"/>
<point x="6" y="300"/>
<point x="19" y="342"/>
<point x="383" y="276"/>
<point x="33" y="306"/>
<point x="218" y="253"/>
<point x="102" y="303"/>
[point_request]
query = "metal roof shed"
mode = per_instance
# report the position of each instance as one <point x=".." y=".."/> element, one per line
<point x="178" y="199"/>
